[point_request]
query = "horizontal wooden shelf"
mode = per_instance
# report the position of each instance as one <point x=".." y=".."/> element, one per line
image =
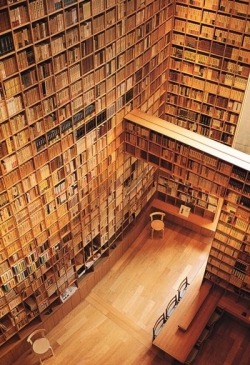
<point x="190" y="138"/>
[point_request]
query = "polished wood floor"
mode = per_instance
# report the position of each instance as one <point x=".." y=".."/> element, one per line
<point x="114" y="324"/>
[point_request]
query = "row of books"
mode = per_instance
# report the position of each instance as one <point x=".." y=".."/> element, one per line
<point x="4" y="21"/>
<point x="6" y="44"/>
<point x="18" y="15"/>
<point x="22" y="38"/>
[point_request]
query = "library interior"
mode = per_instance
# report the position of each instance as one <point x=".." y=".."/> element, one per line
<point x="112" y="110"/>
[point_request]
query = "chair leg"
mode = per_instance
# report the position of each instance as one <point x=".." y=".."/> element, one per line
<point x="152" y="233"/>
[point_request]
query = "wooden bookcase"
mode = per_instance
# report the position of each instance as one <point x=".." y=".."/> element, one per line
<point x="69" y="72"/>
<point x="209" y="67"/>
<point x="197" y="172"/>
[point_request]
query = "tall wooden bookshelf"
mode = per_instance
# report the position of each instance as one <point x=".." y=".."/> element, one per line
<point x="196" y="172"/>
<point x="209" y="66"/>
<point x="69" y="72"/>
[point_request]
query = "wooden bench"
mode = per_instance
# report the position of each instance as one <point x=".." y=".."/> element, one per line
<point x="177" y="343"/>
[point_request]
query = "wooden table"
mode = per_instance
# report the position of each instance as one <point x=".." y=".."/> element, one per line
<point x="193" y="303"/>
<point x="194" y="222"/>
<point x="178" y="343"/>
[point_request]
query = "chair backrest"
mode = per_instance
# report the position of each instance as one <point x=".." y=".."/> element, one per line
<point x="215" y="317"/>
<point x="35" y="335"/>
<point x="182" y="288"/>
<point x="192" y="356"/>
<point x="158" y="325"/>
<point x="157" y="215"/>
<point x="171" y="306"/>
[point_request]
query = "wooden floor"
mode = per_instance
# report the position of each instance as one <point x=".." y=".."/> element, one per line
<point x="114" y="324"/>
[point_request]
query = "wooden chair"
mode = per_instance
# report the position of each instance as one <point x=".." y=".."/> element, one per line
<point x="157" y="222"/>
<point x="171" y="306"/>
<point x="215" y="317"/>
<point x="203" y="337"/>
<point x="192" y="356"/>
<point x="182" y="288"/>
<point x="40" y="344"/>
<point x="158" y="325"/>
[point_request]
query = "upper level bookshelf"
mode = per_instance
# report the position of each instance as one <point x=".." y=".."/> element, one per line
<point x="197" y="172"/>
<point x="209" y="67"/>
